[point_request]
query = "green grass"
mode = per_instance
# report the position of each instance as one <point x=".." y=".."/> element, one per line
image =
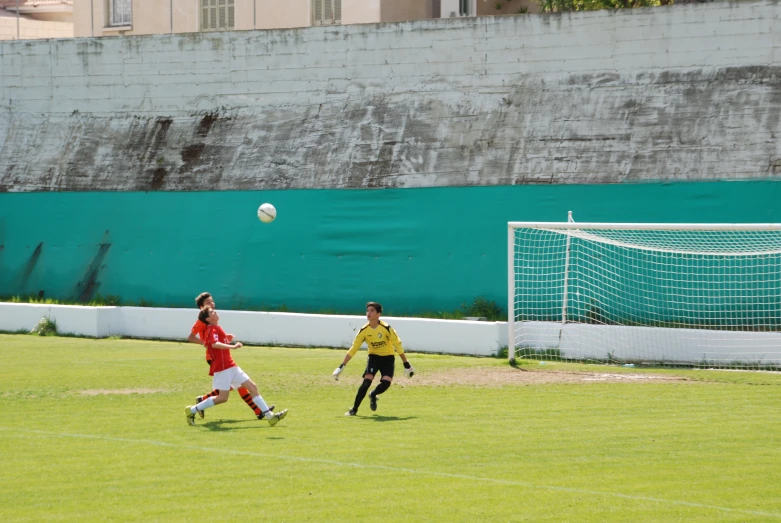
<point x="700" y="450"/>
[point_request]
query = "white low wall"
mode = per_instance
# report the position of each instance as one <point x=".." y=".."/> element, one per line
<point x="475" y="338"/>
<point x="581" y="341"/>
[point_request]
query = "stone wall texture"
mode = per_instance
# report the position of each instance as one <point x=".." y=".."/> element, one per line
<point x="690" y="92"/>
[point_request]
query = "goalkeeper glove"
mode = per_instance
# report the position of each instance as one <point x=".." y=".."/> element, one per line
<point x="408" y="370"/>
<point x="338" y="371"/>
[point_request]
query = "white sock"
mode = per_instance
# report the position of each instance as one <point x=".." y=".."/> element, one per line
<point x="205" y="404"/>
<point x="260" y="403"/>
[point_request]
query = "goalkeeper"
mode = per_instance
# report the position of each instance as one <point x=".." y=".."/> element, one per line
<point x="382" y="341"/>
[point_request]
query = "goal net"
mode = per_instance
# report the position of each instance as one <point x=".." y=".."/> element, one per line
<point x="706" y="295"/>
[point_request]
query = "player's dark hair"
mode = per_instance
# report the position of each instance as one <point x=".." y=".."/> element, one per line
<point x="202" y="297"/>
<point x="204" y="314"/>
<point x="377" y="306"/>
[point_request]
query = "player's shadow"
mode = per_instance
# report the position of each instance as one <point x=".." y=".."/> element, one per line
<point x="229" y="424"/>
<point x="383" y="419"/>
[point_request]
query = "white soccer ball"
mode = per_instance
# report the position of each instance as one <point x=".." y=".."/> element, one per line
<point x="267" y="213"/>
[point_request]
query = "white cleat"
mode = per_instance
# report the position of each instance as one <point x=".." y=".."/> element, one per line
<point x="275" y="417"/>
<point x="189" y="416"/>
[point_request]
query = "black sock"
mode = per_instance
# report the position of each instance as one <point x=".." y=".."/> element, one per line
<point x="382" y="387"/>
<point x="361" y="393"/>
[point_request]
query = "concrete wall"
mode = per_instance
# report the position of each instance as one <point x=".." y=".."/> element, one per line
<point x="677" y="93"/>
<point x="260" y="328"/>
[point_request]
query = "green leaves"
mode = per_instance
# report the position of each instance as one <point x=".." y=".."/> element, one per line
<point x="557" y="6"/>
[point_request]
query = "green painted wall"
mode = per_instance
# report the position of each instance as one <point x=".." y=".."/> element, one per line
<point x="415" y="250"/>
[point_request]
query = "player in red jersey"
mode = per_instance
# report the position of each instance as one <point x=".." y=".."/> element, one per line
<point x="198" y="335"/>
<point x="226" y="374"/>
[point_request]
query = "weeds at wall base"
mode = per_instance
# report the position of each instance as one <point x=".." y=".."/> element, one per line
<point x="45" y="327"/>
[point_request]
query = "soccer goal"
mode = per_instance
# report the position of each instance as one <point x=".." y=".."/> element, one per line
<point x="705" y="295"/>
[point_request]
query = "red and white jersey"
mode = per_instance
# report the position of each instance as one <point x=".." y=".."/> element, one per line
<point x="221" y="358"/>
<point x="199" y="329"/>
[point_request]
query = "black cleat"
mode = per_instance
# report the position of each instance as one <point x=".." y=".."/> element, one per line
<point x="351" y="412"/>
<point x="372" y="402"/>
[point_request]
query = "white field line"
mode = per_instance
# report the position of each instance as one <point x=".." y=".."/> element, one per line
<point x="417" y="472"/>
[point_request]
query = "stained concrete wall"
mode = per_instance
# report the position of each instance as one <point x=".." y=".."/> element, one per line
<point x="677" y="93"/>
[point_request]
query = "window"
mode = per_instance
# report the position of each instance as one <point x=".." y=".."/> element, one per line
<point x="327" y="12"/>
<point x="463" y="7"/>
<point x="217" y="15"/>
<point x="120" y="13"/>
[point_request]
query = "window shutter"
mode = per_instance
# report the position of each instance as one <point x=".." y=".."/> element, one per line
<point x="222" y="13"/>
<point x="318" y="12"/>
<point x="218" y="15"/>
<point x="338" y="11"/>
<point x="329" y="12"/>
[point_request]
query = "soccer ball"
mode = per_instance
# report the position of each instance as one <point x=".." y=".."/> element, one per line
<point x="267" y="213"/>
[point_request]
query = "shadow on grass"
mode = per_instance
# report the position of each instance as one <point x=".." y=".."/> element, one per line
<point x="387" y="418"/>
<point x="228" y="424"/>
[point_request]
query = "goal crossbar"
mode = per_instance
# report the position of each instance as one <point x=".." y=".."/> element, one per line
<point x="649" y="226"/>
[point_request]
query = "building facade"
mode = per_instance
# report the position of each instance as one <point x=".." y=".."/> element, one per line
<point x="136" y="17"/>
<point x="28" y="19"/>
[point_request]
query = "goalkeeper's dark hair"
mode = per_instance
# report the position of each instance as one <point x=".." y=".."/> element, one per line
<point x="204" y="314"/>
<point x="377" y="306"/>
<point x="201" y="298"/>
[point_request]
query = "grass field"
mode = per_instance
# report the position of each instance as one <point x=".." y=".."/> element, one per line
<point x="94" y="430"/>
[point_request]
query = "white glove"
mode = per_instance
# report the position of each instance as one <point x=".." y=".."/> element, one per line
<point x="338" y="371"/>
<point x="409" y="372"/>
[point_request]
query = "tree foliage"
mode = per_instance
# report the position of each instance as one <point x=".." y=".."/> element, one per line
<point x="554" y="6"/>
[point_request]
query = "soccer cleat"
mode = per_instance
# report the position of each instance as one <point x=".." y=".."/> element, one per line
<point x="197" y="401"/>
<point x="372" y="402"/>
<point x="261" y="416"/>
<point x="189" y="416"/>
<point x="276" y="417"/>
<point x="351" y="412"/>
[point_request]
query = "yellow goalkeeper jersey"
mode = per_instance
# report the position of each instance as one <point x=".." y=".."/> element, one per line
<point x="381" y="340"/>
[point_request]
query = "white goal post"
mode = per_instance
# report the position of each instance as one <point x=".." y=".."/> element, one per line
<point x="705" y="295"/>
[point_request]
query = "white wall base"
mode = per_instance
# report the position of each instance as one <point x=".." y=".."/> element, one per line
<point x="652" y="344"/>
<point x="477" y="338"/>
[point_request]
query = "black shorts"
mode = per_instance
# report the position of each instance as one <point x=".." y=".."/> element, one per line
<point x="382" y="364"/>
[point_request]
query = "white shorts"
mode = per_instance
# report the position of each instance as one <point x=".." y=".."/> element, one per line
<point x="225" y="379"/>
